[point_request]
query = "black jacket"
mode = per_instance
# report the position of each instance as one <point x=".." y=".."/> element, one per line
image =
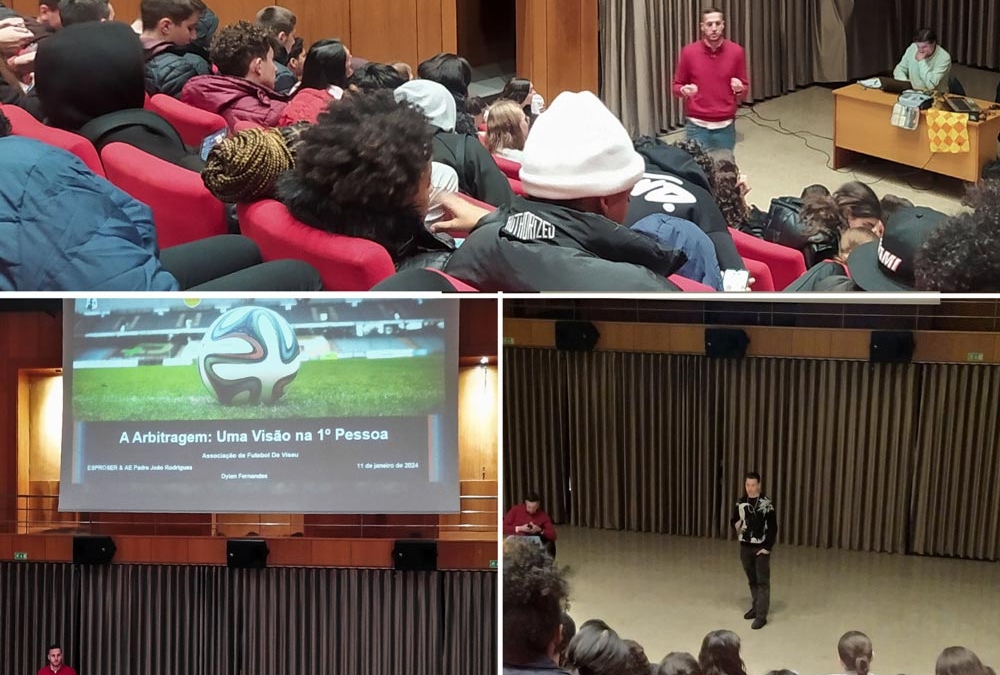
<point x="478" y="175"/>
<point x="760" y="524"/>
<point x="14" y="95"/>
<point x="169" y="67"/>
<point x="532" y="246"/>
<point x="658" y="192"/>
<point x="814" y="279"/>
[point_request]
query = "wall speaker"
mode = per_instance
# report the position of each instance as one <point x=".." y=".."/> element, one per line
<point x="415" y="555"/>
<point x="576" y="336"/>
<point x="888" y="346"/>
<point x="246" y="553"/>
<point x="93" y="550"/>
<point x="726" y="343"/>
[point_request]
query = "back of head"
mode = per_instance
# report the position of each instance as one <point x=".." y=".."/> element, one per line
<point x="720" y="654"/>
<point x="637" y="662"/>
<point x="516" y="90"/>
<point x="73" y="12"/>
<point x="89" y="70"/>
<point x="853" y="237"/>
<point x="534" y="599"/>
<point x="891" y="204"/>
<point x="236" y="46"/>
<point x="958" y="661"/>
<point x="596" y="649"/>
<point x="246" y="166"/>
<point x="375" y="76"/>
<point x="822" y="213"/>
<point x="698" y="153"/>
<point x="679" y="663"/>
<point x="503" y="127"/>
<point x="359" y="171"/>
<point x="579" y="149"/>
<point x="962" y="254"/>
<point x="326" y="64"/>
<point x="725" y="180"/>
<point x="432" y="99"/>
<point x="450" y="70"/>
<point x="178" y="11"/>
<point x="855" y="650"/>
<point x="403" y="69"/>
<point x="276" y="20"/>
<point x="814" y="190"/>
<point x="857" y="200"/>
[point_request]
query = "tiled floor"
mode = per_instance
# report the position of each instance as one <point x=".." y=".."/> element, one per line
<point x="668" y="592"/>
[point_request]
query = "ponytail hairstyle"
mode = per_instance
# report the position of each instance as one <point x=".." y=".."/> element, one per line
<point x="855" y="650"/>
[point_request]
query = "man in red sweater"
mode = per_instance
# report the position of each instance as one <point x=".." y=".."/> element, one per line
<point x="711" y="76"/>
<point x="56" y="666"/>
<point x="529" y="520"/>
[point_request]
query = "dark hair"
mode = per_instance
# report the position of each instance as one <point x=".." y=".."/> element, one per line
<point x="568" y="631"/>
<point x="855" y="650"/>
<point x="958" y="661"/>
<point x="725" y="182"/>
<point x="374" y="76"/>
<point x="326" y="64"/>
<point x="637" y="662"/>
<point x="516" y="90"/>
<point x="5" y="128"/>
<point x="857" y="200"/>
<point x="177" y="11"/>
<point x="925" y="35"/>
<point x="712" y="10"/>
<point x="820" y="213"/>
<point x="237" y="45"/>
<point x="752" y="475"/>
<point x="596" y="649"/>
<point x="297" y="47"/>
<point x="891" y="204"/>
<point x="698" y="153"/>
<point x="80" y="11"/>
<point x="814" y="190"/>
<point x="451" y="70"/>
<point x="475" y="105"/>
<point x="276" y="19"/>
<point x="531" y="496"/>
<point x="783" y="671"/>
<point x="679" y="663"/>
<point x="720" y="653"/>
<point x="358" y="170"/>
<point x="52" y="645"/>
<point x="534" y="599"/>
<point x="962" y="254"/>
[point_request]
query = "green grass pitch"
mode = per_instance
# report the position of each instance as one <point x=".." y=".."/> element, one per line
<point x="335" y="388"/>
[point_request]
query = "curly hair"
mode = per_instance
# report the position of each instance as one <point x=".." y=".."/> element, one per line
<point x="822" y="213"/>
<point x="698" y="153"/>
<point x="725" y="181"/>
<point x="237" y="45"/>
<point x="358" y="171"/>
<point x="503" y="127"/>
<point x="961" y="254"/>
<point x="535" y="596"/>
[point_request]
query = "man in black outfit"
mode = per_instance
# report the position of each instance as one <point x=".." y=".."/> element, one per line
<point x="757" y="527"/>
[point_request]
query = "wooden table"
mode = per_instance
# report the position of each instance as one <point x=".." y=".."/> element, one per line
<point x="861" y="125"/>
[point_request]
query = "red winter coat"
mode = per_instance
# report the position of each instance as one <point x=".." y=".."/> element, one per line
<point x="305" y="106"/>
<point x="236" y="99"/>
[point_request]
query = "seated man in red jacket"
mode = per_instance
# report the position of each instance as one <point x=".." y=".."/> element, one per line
<point x="529" y="520"/>
<point x="244" y="88"/>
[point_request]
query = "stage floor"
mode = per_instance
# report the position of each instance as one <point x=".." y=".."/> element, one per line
<point x="668" y="592"/>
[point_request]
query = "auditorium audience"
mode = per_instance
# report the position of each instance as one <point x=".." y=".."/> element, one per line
<point x="246" y="166"/>
<point x="374" y="76"/>
<point x="535" y="593"/>
<point x="522" y="92"/>
<point x="297" y="58"/>
<point x="324" y="79"/>
<point x="244" y="88"/>
<point x="833" y="269"/>
<point x="855" y="651"/>
<point x="959" y="661"/>
<point x="73" y="12"/>
<point x="455" y="73"/>
<point x="507" y="130"/>
<point x="720" y="654"/>
<point x="404" y="70"/>
<point x="477" y="108"/>
<point x="478" y="174"/>
<point x="678" y="663"/>
<point x="280" y="23"/>
<point x="91" y="81"/>
<point x="597" y="649"/>
<point x="169" y="32"/>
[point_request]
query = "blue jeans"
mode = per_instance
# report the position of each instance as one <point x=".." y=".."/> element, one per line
<point x="712" y="139"/>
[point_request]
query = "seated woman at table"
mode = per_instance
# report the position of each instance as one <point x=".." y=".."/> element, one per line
<point x="925" y="64"/>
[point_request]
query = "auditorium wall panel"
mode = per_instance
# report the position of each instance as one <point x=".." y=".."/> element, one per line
<point x="557" y="45"/>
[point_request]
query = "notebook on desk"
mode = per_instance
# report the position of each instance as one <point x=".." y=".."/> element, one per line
<point x="894" y="86"/>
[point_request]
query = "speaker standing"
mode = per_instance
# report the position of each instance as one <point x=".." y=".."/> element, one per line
<point x="757" y="527"/>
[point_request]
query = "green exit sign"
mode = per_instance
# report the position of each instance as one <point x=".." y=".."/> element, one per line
<point x="493" y="564"/>
<point x="975" y="356"/>
<point x="20" y="555"/>
<point x="508" y="341"/>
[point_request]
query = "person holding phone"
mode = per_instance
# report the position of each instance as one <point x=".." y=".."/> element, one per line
<point x="756" y="527"/>
<point x="529" y="520"/>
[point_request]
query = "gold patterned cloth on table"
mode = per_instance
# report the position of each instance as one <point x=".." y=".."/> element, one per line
<point x="948" y="131"/>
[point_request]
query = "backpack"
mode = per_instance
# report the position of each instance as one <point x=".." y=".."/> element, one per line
<point x="784" y="226"/>
<point x="99" y="129"/>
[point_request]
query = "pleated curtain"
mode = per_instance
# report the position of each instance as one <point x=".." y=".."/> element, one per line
<point x="872" y="457"/>
<point x="200" y="620"/>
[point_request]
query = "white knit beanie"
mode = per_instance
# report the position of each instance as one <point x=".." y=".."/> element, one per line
<point x="433" y="99"/>
<point x="576" y="149"/>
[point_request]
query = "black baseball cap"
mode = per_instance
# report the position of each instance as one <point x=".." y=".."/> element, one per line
<point x="888" y="264"/>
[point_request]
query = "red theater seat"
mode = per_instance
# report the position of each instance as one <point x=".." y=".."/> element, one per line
<point x="510" y="168"/>
<point x="183" y="208"/>
<point x="786" y="264"/>
<point x="458" y="284"/>
<point x="763" y="280"/>
<point x="193" y="124"/>
<point x="344" y="263"/>
<point x="23" y="124"/>
<point x="690" y="285"/>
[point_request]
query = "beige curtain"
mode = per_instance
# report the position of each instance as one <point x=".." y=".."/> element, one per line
<point x="857" y="456"/>
<point x="966" y="28"/>
<point x="198" y="620"/>
<point x="956" y="497"/>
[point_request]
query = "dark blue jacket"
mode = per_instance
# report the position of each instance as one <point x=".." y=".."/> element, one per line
<point x="62" y="228"/>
